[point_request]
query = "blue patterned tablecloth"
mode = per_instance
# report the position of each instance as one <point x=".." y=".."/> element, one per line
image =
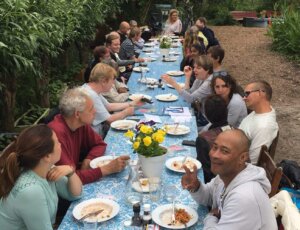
<point x="157" y="68"/>
<point x="113" y="186"/>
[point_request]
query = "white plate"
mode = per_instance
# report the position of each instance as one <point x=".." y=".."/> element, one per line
<point x="142" y="186"/>
<point x="170" y="59"/>
<point x="174" y="163"/>
<point x="174" y="36"/>
<point x="166" y="97"/>
<point x="123" y="124"/>
<point x="180" y="84"/>
<point x="110" y="204"/>
<point x="149" y="50"/>
<point x="162" y="216"/>
<point x="135" y="96"/>
<point x="104" y="160"/>
<point x="140" y="69"/>
<point x="175" y="73"/>
<point x="149" y="44"/>
<point x="173" y="53"/>
<point x="148" y="80"/>
<point x="180" y="130"/>
<point x="153" y="39"/>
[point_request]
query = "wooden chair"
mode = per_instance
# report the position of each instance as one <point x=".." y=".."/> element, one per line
<point x="273" y="172"/>
<point x="272" y="148"/>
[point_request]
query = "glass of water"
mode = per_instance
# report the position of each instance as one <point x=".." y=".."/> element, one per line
<point x="170" y="192"/>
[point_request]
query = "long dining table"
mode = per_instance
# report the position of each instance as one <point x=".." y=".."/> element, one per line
<point x="114" y="186"/>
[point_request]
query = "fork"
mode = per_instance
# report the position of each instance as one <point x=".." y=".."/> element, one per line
<point x="173" y="220"/>
<point x="95" y="213"/>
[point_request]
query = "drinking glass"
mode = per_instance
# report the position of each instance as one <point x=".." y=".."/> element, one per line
<point x="154" y="188"/>
<point x="89" y="225"/>
<point x="170" y="192"/>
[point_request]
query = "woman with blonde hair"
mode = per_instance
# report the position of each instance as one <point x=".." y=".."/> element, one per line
<point x="101" y="81"/>
<point x="29" y="181"/>
<point x="173" y="24"/>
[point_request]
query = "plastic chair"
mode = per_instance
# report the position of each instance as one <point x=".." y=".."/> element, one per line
<point x="273" y="172"/>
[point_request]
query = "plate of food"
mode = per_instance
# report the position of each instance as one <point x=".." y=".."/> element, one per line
<point x="176" y="164"/>
<point x="177" y="129"/>
<point x="142" y="185"/>
<point x="153" y="39"/>
<point x="180" y="84"/>
<point x="185" y="216"/>
<point x="148" y="80"/>
<point x="137" y="95"/>
<point x="175" y="73"/>
<point x="170" y="59"/>
<point x="123" y="125"/>
<point x="100" y="161"/>
<point x="166" y="97"/>
<point x="140" y="69"/>
<point x="174" y="53"/>
<point x="109" y="209"/>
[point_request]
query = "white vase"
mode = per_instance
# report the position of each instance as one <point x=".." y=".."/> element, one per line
<point x="164" y="52"/>
<point x="152" y="166"/>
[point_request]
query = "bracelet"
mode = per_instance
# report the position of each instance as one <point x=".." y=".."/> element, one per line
<point x="71" y="173"/>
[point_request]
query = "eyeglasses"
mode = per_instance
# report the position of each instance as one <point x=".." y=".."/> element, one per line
<point x="247" y="93"/>
<point x="220" y="73"/>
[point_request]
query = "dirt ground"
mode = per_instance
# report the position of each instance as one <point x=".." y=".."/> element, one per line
<point x="248" y="56"/>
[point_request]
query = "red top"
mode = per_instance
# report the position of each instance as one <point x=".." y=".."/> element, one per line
<point x="83" y="139"/>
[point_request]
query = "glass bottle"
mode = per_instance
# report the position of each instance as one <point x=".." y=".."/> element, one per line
<point x="132" y="195"/>
<point x="136" y="219"/>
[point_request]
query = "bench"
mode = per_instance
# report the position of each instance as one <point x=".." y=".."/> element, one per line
<point x="240" y="15"/>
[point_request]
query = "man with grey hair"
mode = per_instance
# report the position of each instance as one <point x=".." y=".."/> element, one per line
<point x="238" y="195"/>
<point x="79" y="142"/>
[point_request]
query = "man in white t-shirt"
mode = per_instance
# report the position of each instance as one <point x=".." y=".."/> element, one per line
<point x="260" y="126"/>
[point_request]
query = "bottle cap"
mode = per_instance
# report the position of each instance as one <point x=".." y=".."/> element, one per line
<point x="147" y="207"/>
<point x="136" y="207"/>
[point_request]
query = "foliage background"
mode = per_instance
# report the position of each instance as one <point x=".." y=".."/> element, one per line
<point x="45" y="45"/>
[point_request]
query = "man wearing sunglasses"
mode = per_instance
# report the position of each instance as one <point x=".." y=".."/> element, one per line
<point x="260" y="126"/>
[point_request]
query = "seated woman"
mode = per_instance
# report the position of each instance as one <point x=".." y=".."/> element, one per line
<point x="173" y="24"/>
<point x="30" y="181"/>
<point x="201" y="88"/>
<point x="196" y="51"/>
<point x="101" y="80"/>
<point x="216" y="112"/>
<point x="225" y="86"/>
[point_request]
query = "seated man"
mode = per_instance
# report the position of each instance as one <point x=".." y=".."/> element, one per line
<point x="101" y="80"/>
<point x="238" y="195"/>
<point x="78" y="140"/>
<point x="125" y="66"/>
<point x="123" y="31"/>
<point x="127" y="47"/>
<point x="260" y="126"/>
<point x="216" y="53"/>
<point x="207" y="32"/>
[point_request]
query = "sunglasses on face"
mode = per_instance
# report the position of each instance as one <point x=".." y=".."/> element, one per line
<point x="247" y="93"/>
<point x="220" y="73"/>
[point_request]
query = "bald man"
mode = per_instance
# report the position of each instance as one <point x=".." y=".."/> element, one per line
<point x="123" y="30"/>
<point x="238" y="194"/>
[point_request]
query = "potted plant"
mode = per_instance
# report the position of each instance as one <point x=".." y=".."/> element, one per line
<point x="165" y="43"/>
<point x="146" y="140"/>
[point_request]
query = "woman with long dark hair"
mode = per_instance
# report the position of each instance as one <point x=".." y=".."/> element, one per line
<point x="225" y="85"/>
<point x="29" y="181"/>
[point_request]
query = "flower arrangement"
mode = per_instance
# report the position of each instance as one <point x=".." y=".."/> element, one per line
<point x="165" y="42"/>
<point x="146" y="139"/>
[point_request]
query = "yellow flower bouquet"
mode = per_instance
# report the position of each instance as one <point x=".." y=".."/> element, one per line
<point x="146" y="139"/>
